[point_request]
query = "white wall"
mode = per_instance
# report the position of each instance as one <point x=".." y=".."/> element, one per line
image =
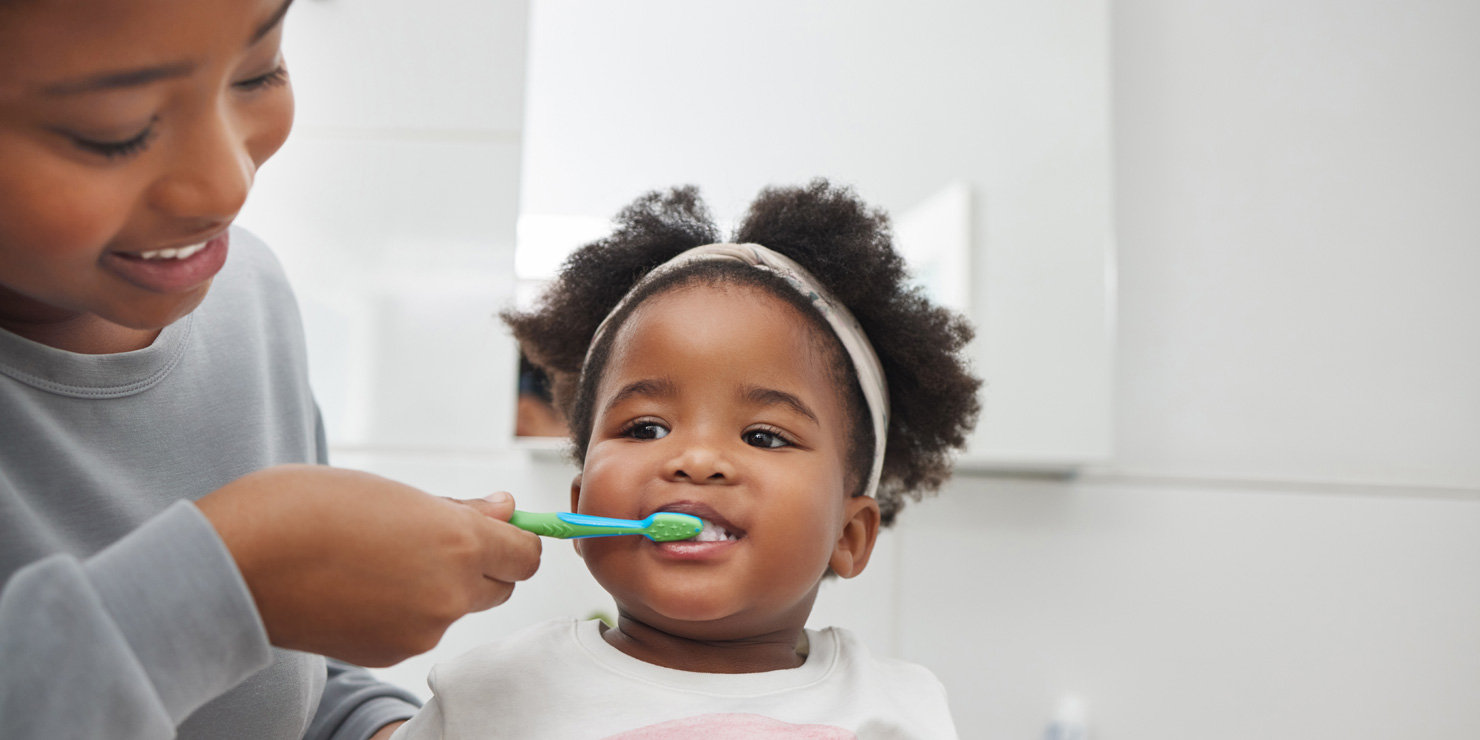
<point x="393" y="207"/>
<point x="1288" y="544"/>
<point x="1297" y="184"/>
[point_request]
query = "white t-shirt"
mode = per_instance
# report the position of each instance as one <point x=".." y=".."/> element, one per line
<point x="561" y="680"/>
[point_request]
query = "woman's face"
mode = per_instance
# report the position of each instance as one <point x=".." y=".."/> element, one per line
<point x="127" y="130"/>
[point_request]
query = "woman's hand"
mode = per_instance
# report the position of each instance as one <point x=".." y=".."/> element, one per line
<point x="384" y="733"/>
<point x="361" y="568"/>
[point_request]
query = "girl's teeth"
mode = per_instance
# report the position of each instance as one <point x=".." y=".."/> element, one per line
<point x="172" y="254"/>
<point x="713" y="533"/>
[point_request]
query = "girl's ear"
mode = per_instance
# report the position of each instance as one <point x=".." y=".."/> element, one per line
<point x="575" y="502"/>
<point x="856" y="542"/>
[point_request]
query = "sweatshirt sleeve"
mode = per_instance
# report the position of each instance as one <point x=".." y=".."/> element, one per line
<point x="355" y="704"/>
<point x="131" y="641"/>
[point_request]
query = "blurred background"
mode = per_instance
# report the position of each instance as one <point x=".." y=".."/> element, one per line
<point x="1221" y="255"/>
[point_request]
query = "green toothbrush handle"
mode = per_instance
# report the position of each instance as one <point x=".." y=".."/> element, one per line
<point x="545" y="525"/>
<point x="663" y="526"/>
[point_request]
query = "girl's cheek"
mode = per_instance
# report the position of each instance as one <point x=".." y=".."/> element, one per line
<point x="606" y="478"/>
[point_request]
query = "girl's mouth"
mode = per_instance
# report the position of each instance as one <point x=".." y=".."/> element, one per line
<point x="717" y="537"/>
<point x="171" y="270"/>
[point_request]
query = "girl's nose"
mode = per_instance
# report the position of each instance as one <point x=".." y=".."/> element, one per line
<point x="701" y="462"/>
<point x="209" y="175"/>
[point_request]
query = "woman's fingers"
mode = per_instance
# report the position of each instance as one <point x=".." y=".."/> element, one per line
<point x="510" y="554"/>
<point x="498" y="505"/>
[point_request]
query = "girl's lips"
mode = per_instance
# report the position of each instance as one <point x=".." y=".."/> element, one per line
<point x="691" y="550"/>
<point x="170" y="275"/>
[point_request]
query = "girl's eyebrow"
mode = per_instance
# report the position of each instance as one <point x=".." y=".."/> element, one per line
<point x="649" y="387"/>
<point x="773" y="397"/>
<point x="146" y="75"/>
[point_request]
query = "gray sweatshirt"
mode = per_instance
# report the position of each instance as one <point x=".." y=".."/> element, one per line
<point x="122" y="614"/>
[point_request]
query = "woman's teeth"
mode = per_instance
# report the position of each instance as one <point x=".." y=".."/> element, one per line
<point x="172" y="254"/>
<point x="713" y="533"/>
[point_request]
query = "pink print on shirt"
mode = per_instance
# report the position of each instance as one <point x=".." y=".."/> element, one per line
<point x="733" y="727"/>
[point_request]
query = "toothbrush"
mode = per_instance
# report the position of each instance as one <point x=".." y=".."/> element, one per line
<point x="664" y="526"/>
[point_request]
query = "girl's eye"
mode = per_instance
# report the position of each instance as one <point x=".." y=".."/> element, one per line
<point x="271" y="79"/>
<point x="765" y="438"/>
<point x="110" y="149"/>
<point x="647" y="430"/>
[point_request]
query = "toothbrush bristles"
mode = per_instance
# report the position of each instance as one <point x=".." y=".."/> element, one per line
<point x="671" y="526"/>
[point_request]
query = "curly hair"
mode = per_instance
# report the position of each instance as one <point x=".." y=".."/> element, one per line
<point x="835" y="236"/>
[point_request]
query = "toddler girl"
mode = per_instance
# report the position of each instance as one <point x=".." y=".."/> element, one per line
<point x="791" y="390"/>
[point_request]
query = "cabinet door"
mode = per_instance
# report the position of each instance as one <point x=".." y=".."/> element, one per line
<point x="1010" y="100"/>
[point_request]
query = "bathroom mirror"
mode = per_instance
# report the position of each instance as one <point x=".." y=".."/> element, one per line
<point x="982" y="127"/>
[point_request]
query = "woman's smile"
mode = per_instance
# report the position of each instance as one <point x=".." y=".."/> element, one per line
<point x="171" y="269"/>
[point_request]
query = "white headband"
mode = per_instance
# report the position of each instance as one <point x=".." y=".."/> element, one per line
<point x="860" y="351"/>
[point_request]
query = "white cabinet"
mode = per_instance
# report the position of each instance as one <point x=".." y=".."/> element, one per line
<point x="900" y="100"/>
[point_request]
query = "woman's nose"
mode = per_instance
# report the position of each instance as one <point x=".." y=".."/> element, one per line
<point x="209" y="175"/>
<point x="701" y="462"/>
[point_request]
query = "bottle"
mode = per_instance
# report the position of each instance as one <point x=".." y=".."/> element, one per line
<point x="1068" y="721"/>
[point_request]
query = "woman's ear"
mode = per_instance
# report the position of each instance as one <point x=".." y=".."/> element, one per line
<point x="575" y="503"/>
<point x="856" y="542"/>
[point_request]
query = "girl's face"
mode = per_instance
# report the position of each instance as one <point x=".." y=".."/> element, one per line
<point x="127" y="128"/>
<point x="719" y="402"/>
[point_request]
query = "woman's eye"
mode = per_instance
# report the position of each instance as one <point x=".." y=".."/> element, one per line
<point x="271" y="79"/>
<point x="110" y="149"/>
<point x="647" y="430"/>
<point x="763" y="438"/>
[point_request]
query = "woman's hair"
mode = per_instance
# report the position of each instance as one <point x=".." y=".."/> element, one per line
<point x="845" y="244"/>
